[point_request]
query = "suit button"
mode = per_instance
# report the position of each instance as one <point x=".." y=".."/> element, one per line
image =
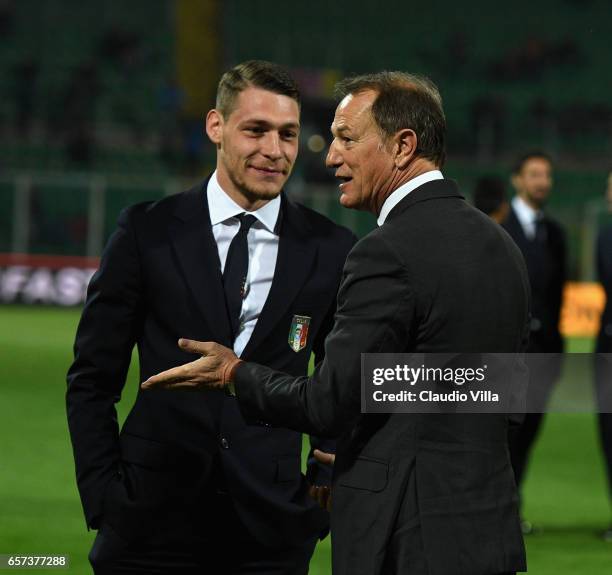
<point x="224" y="443"/>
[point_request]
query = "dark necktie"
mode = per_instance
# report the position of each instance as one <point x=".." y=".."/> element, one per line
<point x="540" y="226"/>
<point x="235" y="271"/>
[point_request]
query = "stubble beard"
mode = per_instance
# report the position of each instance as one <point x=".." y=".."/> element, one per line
<point x="251" y="192"/>
<point x="540" y="201"/>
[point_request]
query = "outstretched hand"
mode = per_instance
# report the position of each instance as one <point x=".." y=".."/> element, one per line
<point x="213" y="370"/>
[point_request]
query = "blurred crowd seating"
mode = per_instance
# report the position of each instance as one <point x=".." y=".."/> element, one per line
<point x="82" y="84"/>
<point x="92" y="86"/>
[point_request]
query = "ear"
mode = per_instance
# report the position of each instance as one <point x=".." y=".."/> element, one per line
<point x="214" y="126"/>
<point x="404" y="147"/>
<point x="515" y="181"/>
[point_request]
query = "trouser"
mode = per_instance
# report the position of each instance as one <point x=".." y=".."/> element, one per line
<point x="544" y="371"/>
<point x="605" y="434"/>
<point x="405" y="553"/>
<point x="603" y="393"/>
<point x="221" y="546"/>
<point x="520" y="442"/>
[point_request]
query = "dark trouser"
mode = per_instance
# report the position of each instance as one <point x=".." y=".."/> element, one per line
<point x="603" y="392"/>
<point x="220" y="546"/>
<point x="544" y="371"/>
<point x="605" y="434"/>
<point x="405" y="553"/>
<point x="521" y="439"/>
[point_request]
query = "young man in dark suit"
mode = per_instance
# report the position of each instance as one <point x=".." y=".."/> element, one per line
<point x="415" y="493"/>
<point x="542" y="243"/>
<point x="186" y="486"/>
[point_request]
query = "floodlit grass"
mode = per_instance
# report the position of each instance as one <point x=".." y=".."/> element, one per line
<point x="40" y="512"/>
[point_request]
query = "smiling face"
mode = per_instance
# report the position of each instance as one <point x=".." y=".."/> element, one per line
<point x="359" y="155"/>
<point x="256" y="145"/>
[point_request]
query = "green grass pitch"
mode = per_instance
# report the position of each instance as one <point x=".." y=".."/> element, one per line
<point x="40" y="511"/>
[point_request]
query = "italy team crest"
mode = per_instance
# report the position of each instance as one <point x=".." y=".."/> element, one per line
<point x="298" y="333"/>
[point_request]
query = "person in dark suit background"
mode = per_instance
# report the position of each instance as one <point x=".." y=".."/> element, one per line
<point x="542" y="242"/>
<point x="490" y="198"/>
<point x="232" y="259"/>
<point x="428" y="493"/>
<point x="603" y="366"/>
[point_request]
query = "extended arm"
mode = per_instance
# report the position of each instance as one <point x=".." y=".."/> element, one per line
<point x="375" y="313"/>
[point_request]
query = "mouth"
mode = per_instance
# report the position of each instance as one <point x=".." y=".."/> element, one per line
<point x="344" y="180"/>
<point x="267" y="171"/>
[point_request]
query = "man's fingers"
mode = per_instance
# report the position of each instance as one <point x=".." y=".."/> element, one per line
<point x="176" y="377"/>
<point x="206" y="371"/>
<point x="201" y="347"/>
<point x="321" y="494"/>
<point x="324" y="457"/>
<point x="163" y="378"/>
<point x="194" y="346"/>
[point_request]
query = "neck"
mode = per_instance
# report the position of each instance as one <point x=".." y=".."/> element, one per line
<point x="400" y="177"/>
<point x="530" y="202"/>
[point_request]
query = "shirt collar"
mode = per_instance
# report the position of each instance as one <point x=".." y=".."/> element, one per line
<point x="524" y="212"/>
<point x="221" y="207"/>
<point x="398" y="195"/>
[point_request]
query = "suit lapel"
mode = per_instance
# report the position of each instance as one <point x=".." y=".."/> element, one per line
<point x="195" y="248"/>
<point x="296" y="254"/>
<point x="515" y="229"/>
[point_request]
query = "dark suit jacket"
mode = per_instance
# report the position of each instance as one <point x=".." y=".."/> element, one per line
<point x="603" y="363"/>
<point x="604" y="275"/>
<point x="159" y="280"/>
<point x="438" y="276"/>
<point x="547" y="270"/>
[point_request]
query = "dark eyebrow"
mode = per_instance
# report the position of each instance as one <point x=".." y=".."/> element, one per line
<point x="268" y="125"/>
<point x="290" y="126"/>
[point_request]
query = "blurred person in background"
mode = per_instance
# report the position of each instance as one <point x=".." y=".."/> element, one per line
<point x="186" y="486"/>
<point x="542" y="242"/>
<point x="603" y="365"/>
<point x="490" y="198"/>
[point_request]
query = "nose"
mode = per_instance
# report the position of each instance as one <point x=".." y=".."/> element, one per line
<point x="333" y="158"/>
<point x="271" y="146"/>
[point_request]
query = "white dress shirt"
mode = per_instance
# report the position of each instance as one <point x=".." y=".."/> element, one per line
<point x="526" y="215"/>
<point x="398" y="195"/>
<point x="263" y="249"/>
